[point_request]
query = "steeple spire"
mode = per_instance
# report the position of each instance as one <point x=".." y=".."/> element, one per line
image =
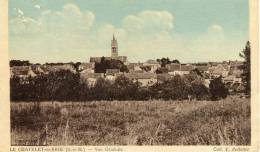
<point x="114" y="36"/>
<point x="114" y="47"/>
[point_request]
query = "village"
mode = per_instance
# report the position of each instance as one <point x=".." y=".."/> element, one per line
<point x="129" y="75"/>
<point x="147" y="73"/>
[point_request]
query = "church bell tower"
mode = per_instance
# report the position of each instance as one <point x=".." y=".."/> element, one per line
<point x="114" y="48"/>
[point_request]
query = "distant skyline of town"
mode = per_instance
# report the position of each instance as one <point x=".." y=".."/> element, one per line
<point x="73" y="31"/>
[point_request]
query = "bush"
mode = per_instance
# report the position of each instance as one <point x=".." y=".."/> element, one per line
<point x="62" y="85"/>
<point x="199" y="90"/>
<point x="217" y="89"/>
<point x="110" y="64"/>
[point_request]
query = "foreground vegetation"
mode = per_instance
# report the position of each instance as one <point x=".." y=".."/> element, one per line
<point x="153" y="122"/>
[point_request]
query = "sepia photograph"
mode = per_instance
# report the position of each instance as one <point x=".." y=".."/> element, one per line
<point x="130" y="72"/>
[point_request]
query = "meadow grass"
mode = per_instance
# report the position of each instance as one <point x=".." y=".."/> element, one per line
<point x="155" y="122"/>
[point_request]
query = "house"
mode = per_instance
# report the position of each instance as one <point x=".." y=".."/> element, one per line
<point x="88" y="71"/>
<point x="219" y="70"/>
<point x="90" y="78"/>
<point x="173" y="67"/>
<point x="86" y="66"/>
<point x="58" y="67"/>
<point x="162" y="77"/>
<point x="146" y="79"/>
<point x="180" y="69"/>
<point x="112" y="72"/>
<point x="135" y="67"/>
<point x="152" y="66"/>
<point x="232" y="79"/>
<point x="22" y="72"/>
<point x="37" y="69"/>
<point x="202" y="68"/>
<point x="111" y="78"/>
<point x="162" y="70"/>
<point x="95" y="59"/>
<point x="229" y="79"/>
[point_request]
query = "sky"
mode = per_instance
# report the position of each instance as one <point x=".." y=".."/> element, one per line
<point x="74" y="30"/>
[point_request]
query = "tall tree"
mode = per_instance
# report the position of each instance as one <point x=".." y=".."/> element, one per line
<point x="176" y="61"/>
<point x="163" y="61"/>
<point x="217" y="89"/>
<point x="246" y="76"/>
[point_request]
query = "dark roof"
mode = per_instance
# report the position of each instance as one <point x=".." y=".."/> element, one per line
<point x="87" y="65"/>
<point x="112" y="71"/>
<point x="173" y="67"/>
<point x="202" y="68"/>
<point x="91" y="75"/>
<point x="94" y="59"/>
<point x="20" y="70"/>
<point x="186" y="68"/>
<point x="145" y="75"/>
<point x="54" y="68"/>
<point x="131" y="66"/>
<point x="163" y="77"/>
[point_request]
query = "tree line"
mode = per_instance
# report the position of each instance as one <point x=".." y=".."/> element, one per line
<point x="67" y="86"/>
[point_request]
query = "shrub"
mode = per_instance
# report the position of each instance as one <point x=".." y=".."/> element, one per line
<point x="217" y="89"/>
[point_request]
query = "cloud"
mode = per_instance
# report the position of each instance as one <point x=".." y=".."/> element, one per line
<point x="24" y="26"/>
<point x="37" y="6"/>
<point x="215" y="28"/>
<point x="20" y="12"/>
<point x="148" y="21"/>
<point x="72" y="9"/>
<point x="69" y="20"/>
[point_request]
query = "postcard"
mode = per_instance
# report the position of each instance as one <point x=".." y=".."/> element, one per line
<point x="129" y="75"/>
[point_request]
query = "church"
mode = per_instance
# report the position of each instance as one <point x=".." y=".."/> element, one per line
<point x="114" y="53"/>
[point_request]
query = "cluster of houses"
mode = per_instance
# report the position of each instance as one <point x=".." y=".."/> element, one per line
<point x="146" y="73"/>
<point x="25" y="72"/>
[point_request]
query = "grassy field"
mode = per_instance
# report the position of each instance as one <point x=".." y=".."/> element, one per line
<point x="224" y="122"/>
